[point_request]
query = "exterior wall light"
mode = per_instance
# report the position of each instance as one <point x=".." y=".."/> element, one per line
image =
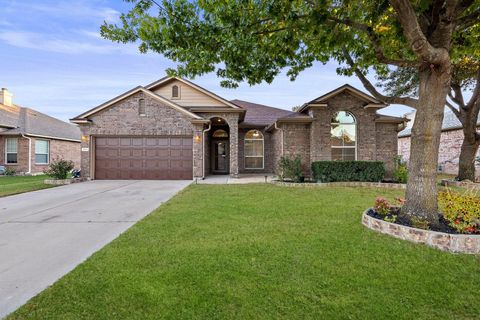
<point x="197" y="138"/>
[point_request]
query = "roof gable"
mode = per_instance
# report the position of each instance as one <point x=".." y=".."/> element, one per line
<point x="81" y="118"/>
<point x="346" y="87"/>
<point x="191" y="95"/>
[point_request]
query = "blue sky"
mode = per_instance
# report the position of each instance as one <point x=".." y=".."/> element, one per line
<point x="53" y="60"/>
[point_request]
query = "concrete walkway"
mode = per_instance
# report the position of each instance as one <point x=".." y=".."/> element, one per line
<point x="45" y="234"/>
<point x="242" y="179"/>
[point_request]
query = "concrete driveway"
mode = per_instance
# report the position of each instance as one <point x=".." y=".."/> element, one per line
<point x="45" y="234"/>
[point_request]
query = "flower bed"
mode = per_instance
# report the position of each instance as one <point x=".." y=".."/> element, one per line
<point x="452" y="242"/>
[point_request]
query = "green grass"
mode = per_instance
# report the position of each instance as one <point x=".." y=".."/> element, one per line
<point x="263" y="252"/>
<point x="18" y="184"/>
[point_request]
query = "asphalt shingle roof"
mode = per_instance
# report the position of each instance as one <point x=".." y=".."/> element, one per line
<point x="28" y="121"/>
<point x="450" y="122"/>
<point x="262" y="115"/>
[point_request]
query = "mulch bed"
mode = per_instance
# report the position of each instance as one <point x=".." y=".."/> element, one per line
<point x="442" y="226"/>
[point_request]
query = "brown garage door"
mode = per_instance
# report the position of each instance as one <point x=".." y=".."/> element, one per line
<point x="153" y="158"/>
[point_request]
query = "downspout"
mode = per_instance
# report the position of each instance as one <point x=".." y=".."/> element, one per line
<point x="29" y="153"/>
<point x="203" y="147"/>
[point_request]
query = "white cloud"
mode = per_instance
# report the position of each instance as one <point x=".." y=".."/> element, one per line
<point x="44" y="42"/>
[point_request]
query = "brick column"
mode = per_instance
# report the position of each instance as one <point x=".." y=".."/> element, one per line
<point x="233" y="124"/>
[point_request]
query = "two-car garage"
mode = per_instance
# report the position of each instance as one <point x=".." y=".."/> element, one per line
<point x="143" y="157"/>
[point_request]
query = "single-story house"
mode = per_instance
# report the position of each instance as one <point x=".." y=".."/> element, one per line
<point x="451" y="140"/>
<point x="30" y="139"/>
<point x="175" y="129"/>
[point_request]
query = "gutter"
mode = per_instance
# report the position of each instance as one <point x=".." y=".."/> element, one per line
<point x="29" y="153"/>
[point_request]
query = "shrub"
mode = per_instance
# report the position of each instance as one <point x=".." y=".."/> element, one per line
<point x="382" y="206"/>
<point x="419" y="223"/>
<point x="59" y="168"/>
<point x="461" y="210"/>
<point x="291" y="168"/>
<point x="331" y="171"/>
<point x="400" y="171"/>
<point x="9" y="171"/>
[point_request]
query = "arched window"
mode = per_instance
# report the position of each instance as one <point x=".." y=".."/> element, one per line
<point x="343" y="136"/>
<point x="254" y="150"/>
<point x="220" y="133"/>
<point x="141" y="107"/>
<point x="175" y="92"/>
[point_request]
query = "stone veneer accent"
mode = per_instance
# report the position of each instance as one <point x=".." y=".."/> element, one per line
<point x="463" y="243"/>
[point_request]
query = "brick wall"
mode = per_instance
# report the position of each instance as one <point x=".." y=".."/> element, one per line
<point x="122" y="118"/>
<point x="365" y="119"/>
<point x="387" y="145"/>
<point x="449" y="151"/>
<point x="268" y="152"/>
<point x="296" y="141"/>
<point x="67" y="150"/>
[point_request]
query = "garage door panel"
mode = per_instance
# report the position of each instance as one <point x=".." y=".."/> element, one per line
<point x="141" y="158"/>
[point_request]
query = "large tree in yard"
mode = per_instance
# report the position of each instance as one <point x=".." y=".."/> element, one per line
<point x="254" y="41"/>
<point x="465" y="80"/>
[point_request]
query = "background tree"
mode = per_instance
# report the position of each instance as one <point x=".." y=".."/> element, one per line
<point x="404" y="81"/>
<point x="254" y="41"/>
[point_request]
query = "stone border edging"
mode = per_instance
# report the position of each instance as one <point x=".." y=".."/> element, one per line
<point x="458" y="243"/>
<point x="62" y="182"/>
<point x="453" y="183"/>
<point x="341" y="184"/>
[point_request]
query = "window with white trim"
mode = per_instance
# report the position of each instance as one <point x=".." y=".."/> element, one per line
<point x="11" y="150"/>
<point x="254" y="150"/>
<point x="343" y="135"/>
<point x="41" y="151"/>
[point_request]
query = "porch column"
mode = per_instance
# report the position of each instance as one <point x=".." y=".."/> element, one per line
<point x="233" y="126"/>
<point x="197" y="151"/>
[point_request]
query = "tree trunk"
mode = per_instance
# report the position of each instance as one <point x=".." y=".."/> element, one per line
<point x="466" y="164"/>
<point x="421" y="193"/>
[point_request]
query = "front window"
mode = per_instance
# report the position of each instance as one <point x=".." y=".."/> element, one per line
<point x="141" y="107"/>
<point x="175" y="92"/>
<point x="41" y="151"/>
<point x="254" y="150"/>
<point x="343" y="136"/>
<point x="11" y="150"/>
<point x="220" y="133"/>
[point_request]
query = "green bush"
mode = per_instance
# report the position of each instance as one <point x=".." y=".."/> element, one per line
<point x="461" y="210"/>
<point x="9" y="171"/>
<point x="332" y="171"/>
<point x="291" y="168"/>
<point x="59" y="169"/>
<point x="400" y="172"/>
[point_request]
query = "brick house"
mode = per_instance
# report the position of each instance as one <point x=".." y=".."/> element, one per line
<point x="451" y="140"/>
<point x="175" y="129"/>
<point x="29" y="140"/>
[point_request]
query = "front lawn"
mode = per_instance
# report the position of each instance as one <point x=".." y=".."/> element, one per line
<point x="18" y="184"/>
<point x="263" y="252"/>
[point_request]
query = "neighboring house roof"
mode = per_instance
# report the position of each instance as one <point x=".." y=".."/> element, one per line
<point x="20" y="120"/>
<point x="450" y="122"/>
<point x="262" y="115"/>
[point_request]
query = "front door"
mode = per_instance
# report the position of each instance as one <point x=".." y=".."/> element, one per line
<point x="220" y="157"/>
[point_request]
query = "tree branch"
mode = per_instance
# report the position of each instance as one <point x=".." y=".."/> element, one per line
<point x="417" y="40"/>
<point x="468" y="20"/>
<point x="377" y="47"/>
<point x="453" y="109"/>
<point x="475" y="93"/>
<point x="371" y="88"/>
